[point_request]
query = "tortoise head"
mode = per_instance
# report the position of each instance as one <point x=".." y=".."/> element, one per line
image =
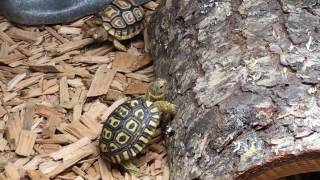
<point x="157" y="90"/>
<point x="97" y="33"/>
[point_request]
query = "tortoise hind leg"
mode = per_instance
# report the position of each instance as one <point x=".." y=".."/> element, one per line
<point x="132" y="169"/>
<point x="119" y="46"/>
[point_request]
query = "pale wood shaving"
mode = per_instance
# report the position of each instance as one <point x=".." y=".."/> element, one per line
<point x="68" y="163"/>
<point x="33" y="163"/>
<point x="126" y="62"/>
<point x="3" y="144"/>
<point x="20" y="34"/>
<point x="56" y="35"/>
<point x="93" y="59"/>
<point x="11" y="171"/>
<point x="101" y="81"/>
<point x="70" y="148"/>
<point x="70" y="46"/>
<point x="140" y="77"/>
<point x="136" y="88"/>
<point x="25" y="143"/>
<point x="13" y="82"/>
<point x="2" y="111"/>
<point x="64" y="92"/>
<point x="96" y="110"/>
<point x="28" y="116"/>
<point x="13" y="131"/>
<point x="69" y="30"/>
<point x="36" y="175"/>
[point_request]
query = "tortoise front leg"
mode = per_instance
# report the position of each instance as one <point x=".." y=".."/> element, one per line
<point x="132" y="169"/>
<point x="119" y="46"/>
<point x="165" y="106"/>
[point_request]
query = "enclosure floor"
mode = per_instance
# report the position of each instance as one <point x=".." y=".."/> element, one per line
<point x="57" y="89"/>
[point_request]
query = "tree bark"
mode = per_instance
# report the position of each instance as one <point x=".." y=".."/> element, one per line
<point x="245" y="76"/>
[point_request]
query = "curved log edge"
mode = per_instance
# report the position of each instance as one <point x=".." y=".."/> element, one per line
<point x="244" y="75"/>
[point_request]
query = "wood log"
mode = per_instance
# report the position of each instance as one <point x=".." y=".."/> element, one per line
<point x="245" y="78"/>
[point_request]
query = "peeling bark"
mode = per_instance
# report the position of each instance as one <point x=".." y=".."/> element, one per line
<point x="245" y="76"/>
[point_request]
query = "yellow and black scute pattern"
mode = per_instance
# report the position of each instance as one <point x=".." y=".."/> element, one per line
<point x="128" y="129"/>
<point x="123" y="20"/>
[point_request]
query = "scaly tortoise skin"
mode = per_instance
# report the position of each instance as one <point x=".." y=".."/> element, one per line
<point x="120" y="20"/>
<point x="131" y="126"/>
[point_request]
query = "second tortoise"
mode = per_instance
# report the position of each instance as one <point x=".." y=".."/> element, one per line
<point x="120" y="20"/>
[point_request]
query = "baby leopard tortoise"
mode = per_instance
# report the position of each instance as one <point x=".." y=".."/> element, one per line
<point x="120" y="20"/>
<point x="132" y="125"/>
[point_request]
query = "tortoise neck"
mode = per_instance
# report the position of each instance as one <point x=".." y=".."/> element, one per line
<point x="154" y="97"/>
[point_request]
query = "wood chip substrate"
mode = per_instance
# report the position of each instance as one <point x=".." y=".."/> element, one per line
<point x="57" y="87"/>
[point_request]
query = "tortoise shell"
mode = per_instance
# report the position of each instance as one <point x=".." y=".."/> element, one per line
<point x="122" y="19"/>
<point x="128" y="129"/>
